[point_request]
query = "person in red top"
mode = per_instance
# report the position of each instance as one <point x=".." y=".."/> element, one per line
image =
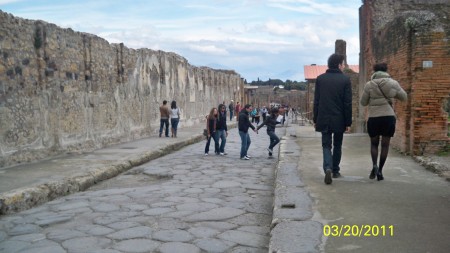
<point x="237" y="110"/>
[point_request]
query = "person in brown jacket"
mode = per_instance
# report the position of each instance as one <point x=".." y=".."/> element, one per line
<point x="165" y="114"/>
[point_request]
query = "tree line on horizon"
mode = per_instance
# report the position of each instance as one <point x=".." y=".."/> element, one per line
<point x="288" y="84"/>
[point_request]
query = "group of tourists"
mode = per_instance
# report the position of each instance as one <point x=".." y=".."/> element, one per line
<point x="217" y="130"/>
<point x="333" y="114"/>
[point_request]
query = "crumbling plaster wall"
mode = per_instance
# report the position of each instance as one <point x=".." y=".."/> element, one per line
<point x="62" y="90"/>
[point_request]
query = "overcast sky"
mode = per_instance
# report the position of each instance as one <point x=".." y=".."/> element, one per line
<point x="256" y="38"/>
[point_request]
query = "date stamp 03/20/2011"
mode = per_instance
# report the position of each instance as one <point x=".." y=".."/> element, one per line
<point x="358" y="230"/>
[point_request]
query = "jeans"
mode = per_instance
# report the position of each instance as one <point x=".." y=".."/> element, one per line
<point x="222" y="135"/>
<point x="231" y="115"/>
<point x="245" y="144"/>
<point x="161" y="125"/>
<point x="274" y="140"/>
<point x="331" y="160"/>
<point x="174" y="123"/>
<point x="213" y="136"/>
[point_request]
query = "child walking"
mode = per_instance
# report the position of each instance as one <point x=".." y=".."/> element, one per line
<point x="271" y="123"/>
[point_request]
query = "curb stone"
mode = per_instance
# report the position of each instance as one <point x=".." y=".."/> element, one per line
<point x="292" y="229"/>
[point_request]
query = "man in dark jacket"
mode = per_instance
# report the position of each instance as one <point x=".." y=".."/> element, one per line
<point x="222" y="129"/>
<point x="332" y="113"/>
<point x="243" y="125"/>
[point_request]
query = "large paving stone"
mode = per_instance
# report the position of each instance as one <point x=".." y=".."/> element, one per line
<point x="245" y="238"/>
<point x="137" y="246"/>
<point x="178" y="247"/>
<point x="132" y="233"/>
<point x="85" y="244"/>
<point x="173" y="235"/>
<point x="214" y="245"/>
<point x="216" y="214"/>
<point x="24" y="229"/>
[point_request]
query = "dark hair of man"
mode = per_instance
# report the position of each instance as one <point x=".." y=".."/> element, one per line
<point x="164" y="102"/>
<point x="334" y="60"/>
<point x="247" y="106"/>
<point x="380" y="67"/>
<point x="274" y="110"/>
<point x="173" y="105"/>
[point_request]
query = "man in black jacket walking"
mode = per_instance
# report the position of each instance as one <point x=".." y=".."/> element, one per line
<point x="332" y="113"/>
<point x="244" y="125"/>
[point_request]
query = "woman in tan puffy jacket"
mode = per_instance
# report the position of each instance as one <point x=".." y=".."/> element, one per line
<point x="378" y="95"/>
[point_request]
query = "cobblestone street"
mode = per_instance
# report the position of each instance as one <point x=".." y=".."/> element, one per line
<point x="182" y="202"/>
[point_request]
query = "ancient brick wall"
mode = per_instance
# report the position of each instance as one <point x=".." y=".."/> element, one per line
<point x="62" y="90"/>
<point x="407" y="35"/>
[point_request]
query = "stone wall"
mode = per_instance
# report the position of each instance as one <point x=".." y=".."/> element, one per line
<point x="407" y="35"/>
<point x="63" y="91"/>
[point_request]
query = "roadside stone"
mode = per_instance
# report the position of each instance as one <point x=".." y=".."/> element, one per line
<point x="296" y="237"/>
<point x="178" y="247"/>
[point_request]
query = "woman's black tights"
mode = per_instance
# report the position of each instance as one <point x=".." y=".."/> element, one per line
<point x="374" y="142"/>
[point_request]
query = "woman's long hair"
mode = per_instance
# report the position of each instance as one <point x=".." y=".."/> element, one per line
<point x="173" y="105"/>
<point x="211" y="113"/>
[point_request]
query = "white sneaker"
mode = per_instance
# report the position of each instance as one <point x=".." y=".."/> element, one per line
<point x="206" y="154"/>
<point x="222" y="153"/>
<point x="245" y="158"/>
<point x="270" y="150"/>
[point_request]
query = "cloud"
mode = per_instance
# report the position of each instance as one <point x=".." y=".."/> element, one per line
<point x="210" y="49"/>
